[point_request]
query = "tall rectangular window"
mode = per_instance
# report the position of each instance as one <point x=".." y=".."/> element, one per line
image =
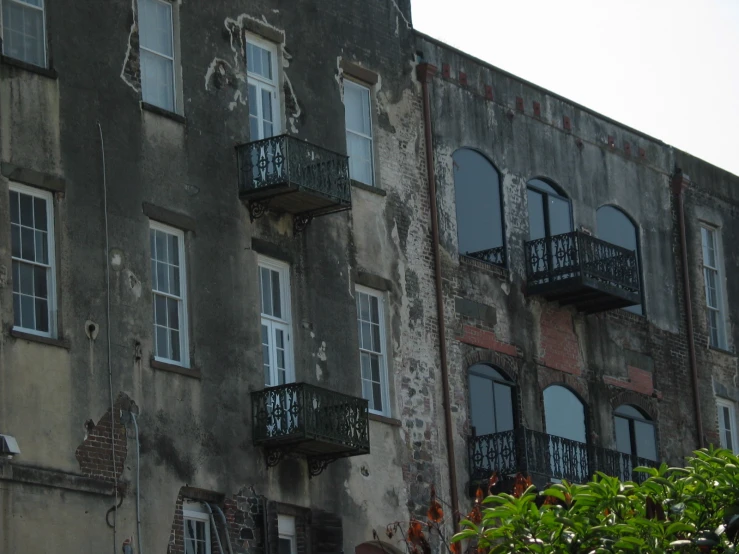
<point x="157" y="53"/>
<point x="359" y="132"/>
<point x="287" y="535"/>
<point x="197" y="530"/>
<point x="712" y="277"/>
<point x="264" y="101"/>
<point x="24" y="34"/>
<point x="727" y="424"/>
<point x="274" y="286"/>
<point x="169" y="291"/>
<point x="32" y="252"/>
<point x="372" y="355"/>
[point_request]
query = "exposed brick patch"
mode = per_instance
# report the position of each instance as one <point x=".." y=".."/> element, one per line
<point x="463" y="78"/>
<point x="446" y="70"/>
<point x="559" y="347"/>
<point x="537" y="109"/>
<point x="489" y="92"/>
<point x="566" y="123"/>
<point x="510" y="365"/>
<point x="486" y="339"/>
<point x="639" y="381"/>
<point x="95" y="454"/>
<point x="519" y="104"/>
<point x="644" y="403"/>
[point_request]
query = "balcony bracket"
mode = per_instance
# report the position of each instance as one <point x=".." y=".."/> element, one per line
<point x="257" y="208"/>
<point x="274" y="456"/>
<point x="316" y="465"/>
<point x="300" y="222"/>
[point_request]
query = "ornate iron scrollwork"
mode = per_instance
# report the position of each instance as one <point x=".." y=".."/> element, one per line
<point x="316" y="465"/>
<point x="257" y="208"/>
<point x="274" y="456"/>
<point x="300" y="222"/>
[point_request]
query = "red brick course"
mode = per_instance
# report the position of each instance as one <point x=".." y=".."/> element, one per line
<point x="486" y="339"/>
<point x="95" y="454"/>
<point x="559" y="348"/>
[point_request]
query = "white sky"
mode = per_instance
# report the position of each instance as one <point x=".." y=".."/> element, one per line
<point x="669" y="68"/>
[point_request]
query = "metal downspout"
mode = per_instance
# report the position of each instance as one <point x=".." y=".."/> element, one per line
<point x="425" y="72"/>
<point x="680" y="182"/>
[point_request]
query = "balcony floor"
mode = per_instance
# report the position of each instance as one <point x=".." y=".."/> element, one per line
<point x="293" y="199"/>
<point x="588" y="295"/>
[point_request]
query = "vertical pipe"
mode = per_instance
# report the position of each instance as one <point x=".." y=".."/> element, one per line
<point x="425" y="72"/>
<point x="138" y="484"/>
<point x="679" y="183"/>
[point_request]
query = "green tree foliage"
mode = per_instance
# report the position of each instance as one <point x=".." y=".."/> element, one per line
<point x="690" y="509"/>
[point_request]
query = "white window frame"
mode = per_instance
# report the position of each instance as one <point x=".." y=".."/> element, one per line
<point x="51" y="283"/>
<point x="286" y="530"/>
<point x="171" y="58"/>
<point x="184" y="319"/>
<point x="352" y="83"/>
<point x="284" y="323"/>
<point x="262" y="83"/>
<point x="42" y="8"/>
<point x="720" y="405"/>
<point x="383" y="355"/>
<point x="197" y="513"/>
<point x="713" y="233"/>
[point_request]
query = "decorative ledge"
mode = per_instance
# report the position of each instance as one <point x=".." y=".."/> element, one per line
<point x="43" y="71"/>
<point x="56" y="479"/>
<point x="164" y="113"/>
<point x="61" y="343"/>
<point x="369" y="188"/>
<point x="32" y="177"/>
<point x="174" y="368"/>
<point x="386" y="420"/>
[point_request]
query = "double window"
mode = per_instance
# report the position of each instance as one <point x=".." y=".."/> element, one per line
<point x="372" y="349"/>
<point x="727" y="425"/>
<point x="197" y="530"/>
<point x="169" y="294"/>
<point x="24" y="34"/>
<point x="287" y="543"/>
<point x="32" y="250"/>
<point x="635" y="433"/>
<point x="274" y="284"/>
<point x="491" y="401"/>
<point x="261" y="71"/>
<point x="713" y="280"/>
<point x="157" y="53"/>
<point x="358" y="113"/>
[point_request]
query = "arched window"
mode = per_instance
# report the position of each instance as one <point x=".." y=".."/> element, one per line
<point x="616" y="227"/>
<point x="566" y="438"/>
<point x="550" y="211"/>
<point x="491" y="401"/>
<point x="479" y="207"/>
<point x="635" y="433"/>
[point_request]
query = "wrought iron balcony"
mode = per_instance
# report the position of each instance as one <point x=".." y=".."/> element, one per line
<point x="495" y="256"/>
<point x="305" y="420"/>
<point x="286" y="174"/>
<point x="579" y="269"/>
<point x="548" y="456"/>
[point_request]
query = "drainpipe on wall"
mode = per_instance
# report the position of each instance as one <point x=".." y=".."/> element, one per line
<point x="425" y="72"/>
<point x="680" y="182"/>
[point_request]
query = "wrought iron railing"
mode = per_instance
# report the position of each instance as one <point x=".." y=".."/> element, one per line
<point x="577" y="254"/>
<point x="300" y="412"/>
<point x="495" y="256"/>
<point x="286" y="160"/>
<point x="533" y="452"/>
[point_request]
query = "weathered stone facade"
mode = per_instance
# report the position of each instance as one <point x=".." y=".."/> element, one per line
<point x="79" y="130"/>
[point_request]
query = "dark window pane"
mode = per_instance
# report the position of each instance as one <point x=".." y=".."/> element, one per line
<point x="14" y="209"/>
<point x="42" y="247"/>
<point x="162" y="277"/>
<point x="26" y="279"/>
<point x="623" y="435"/>
<point x="503" y="408"/>
<point x="543" y="186"/>
<point x="152" y="243"/>
<point x="162" y="347"/>
<point x="276" y="304"/>
<point x="15" y="240"/>
<point x="374" y="303"/>
<point x="173" y="309"/>
<point x="377" y="397"/>
<point x="477" y="197"/>
<point x="482" y="405"/>
<point x="17" y="310"/>
<point x="285" y="546"/>
<point x="560" y="220"/>
<point x="175" y="344"/>
<point x="645" y="444"/>
<point x="40" y="281"/>
<point x="27" y="244"/>
<point x="174" y="249"/>
<point x="16" y="276"/>
<point x="160" y="310"/>
<point x="629" y="411"/>
<point x="42" y="316"/>
<point x="564" y="414"/>
<point x="266" y="292"/>
<point x="26" y="210"/>
<point x="39" y="212"/>
<point x="27" y="312"/>
<point x="536" y="215"/>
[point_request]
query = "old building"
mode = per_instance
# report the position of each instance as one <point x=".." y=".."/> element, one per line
<point x="230" y="234"/>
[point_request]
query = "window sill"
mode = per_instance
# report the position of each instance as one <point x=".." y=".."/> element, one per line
<point x="722" y="351"/>
<point x="44" y="71"/>
<point x="174" y="368"/>
<point x="368" y="188"/>
<point x="61" y="343"/>
<point x="164" y="113"/>
<point x="384" y="419"/>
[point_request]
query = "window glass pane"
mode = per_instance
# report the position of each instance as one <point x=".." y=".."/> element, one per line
<point x="17" y="310"/>
<point x="40" y="285"/>
<point x="27" y="244"/>
<point x="285" y="546"/>
<point x="623" y="435"/>
<point x="15" y="240"/>
<point x="39" y="214"/>
<point x="26" y="279"/>
<point x="14" y="207"/>
<point x="28" y="318"/>
<point x="615" y="227"/>
<point x="536" y="215"/>
<point x="503" y="407"/>
<point x="359" y="150"/>
<point x="560" y="220"/>
<point x="160" y="310"/>
<point x="477" y="196"/>
<point x="482" y="405"/>
<point x="564" y="414"/>
<point x="157" y="80"/>
<point x="645" y="443"/>
<point x="354" y="106"/>
<point x="276" y="300"/>
<point x="266" y="286"/>
<point x="629" y="411"/>
<point x="26" y="203"/>
<point x="155" y="23"/>
<point x="23" y="32"/>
